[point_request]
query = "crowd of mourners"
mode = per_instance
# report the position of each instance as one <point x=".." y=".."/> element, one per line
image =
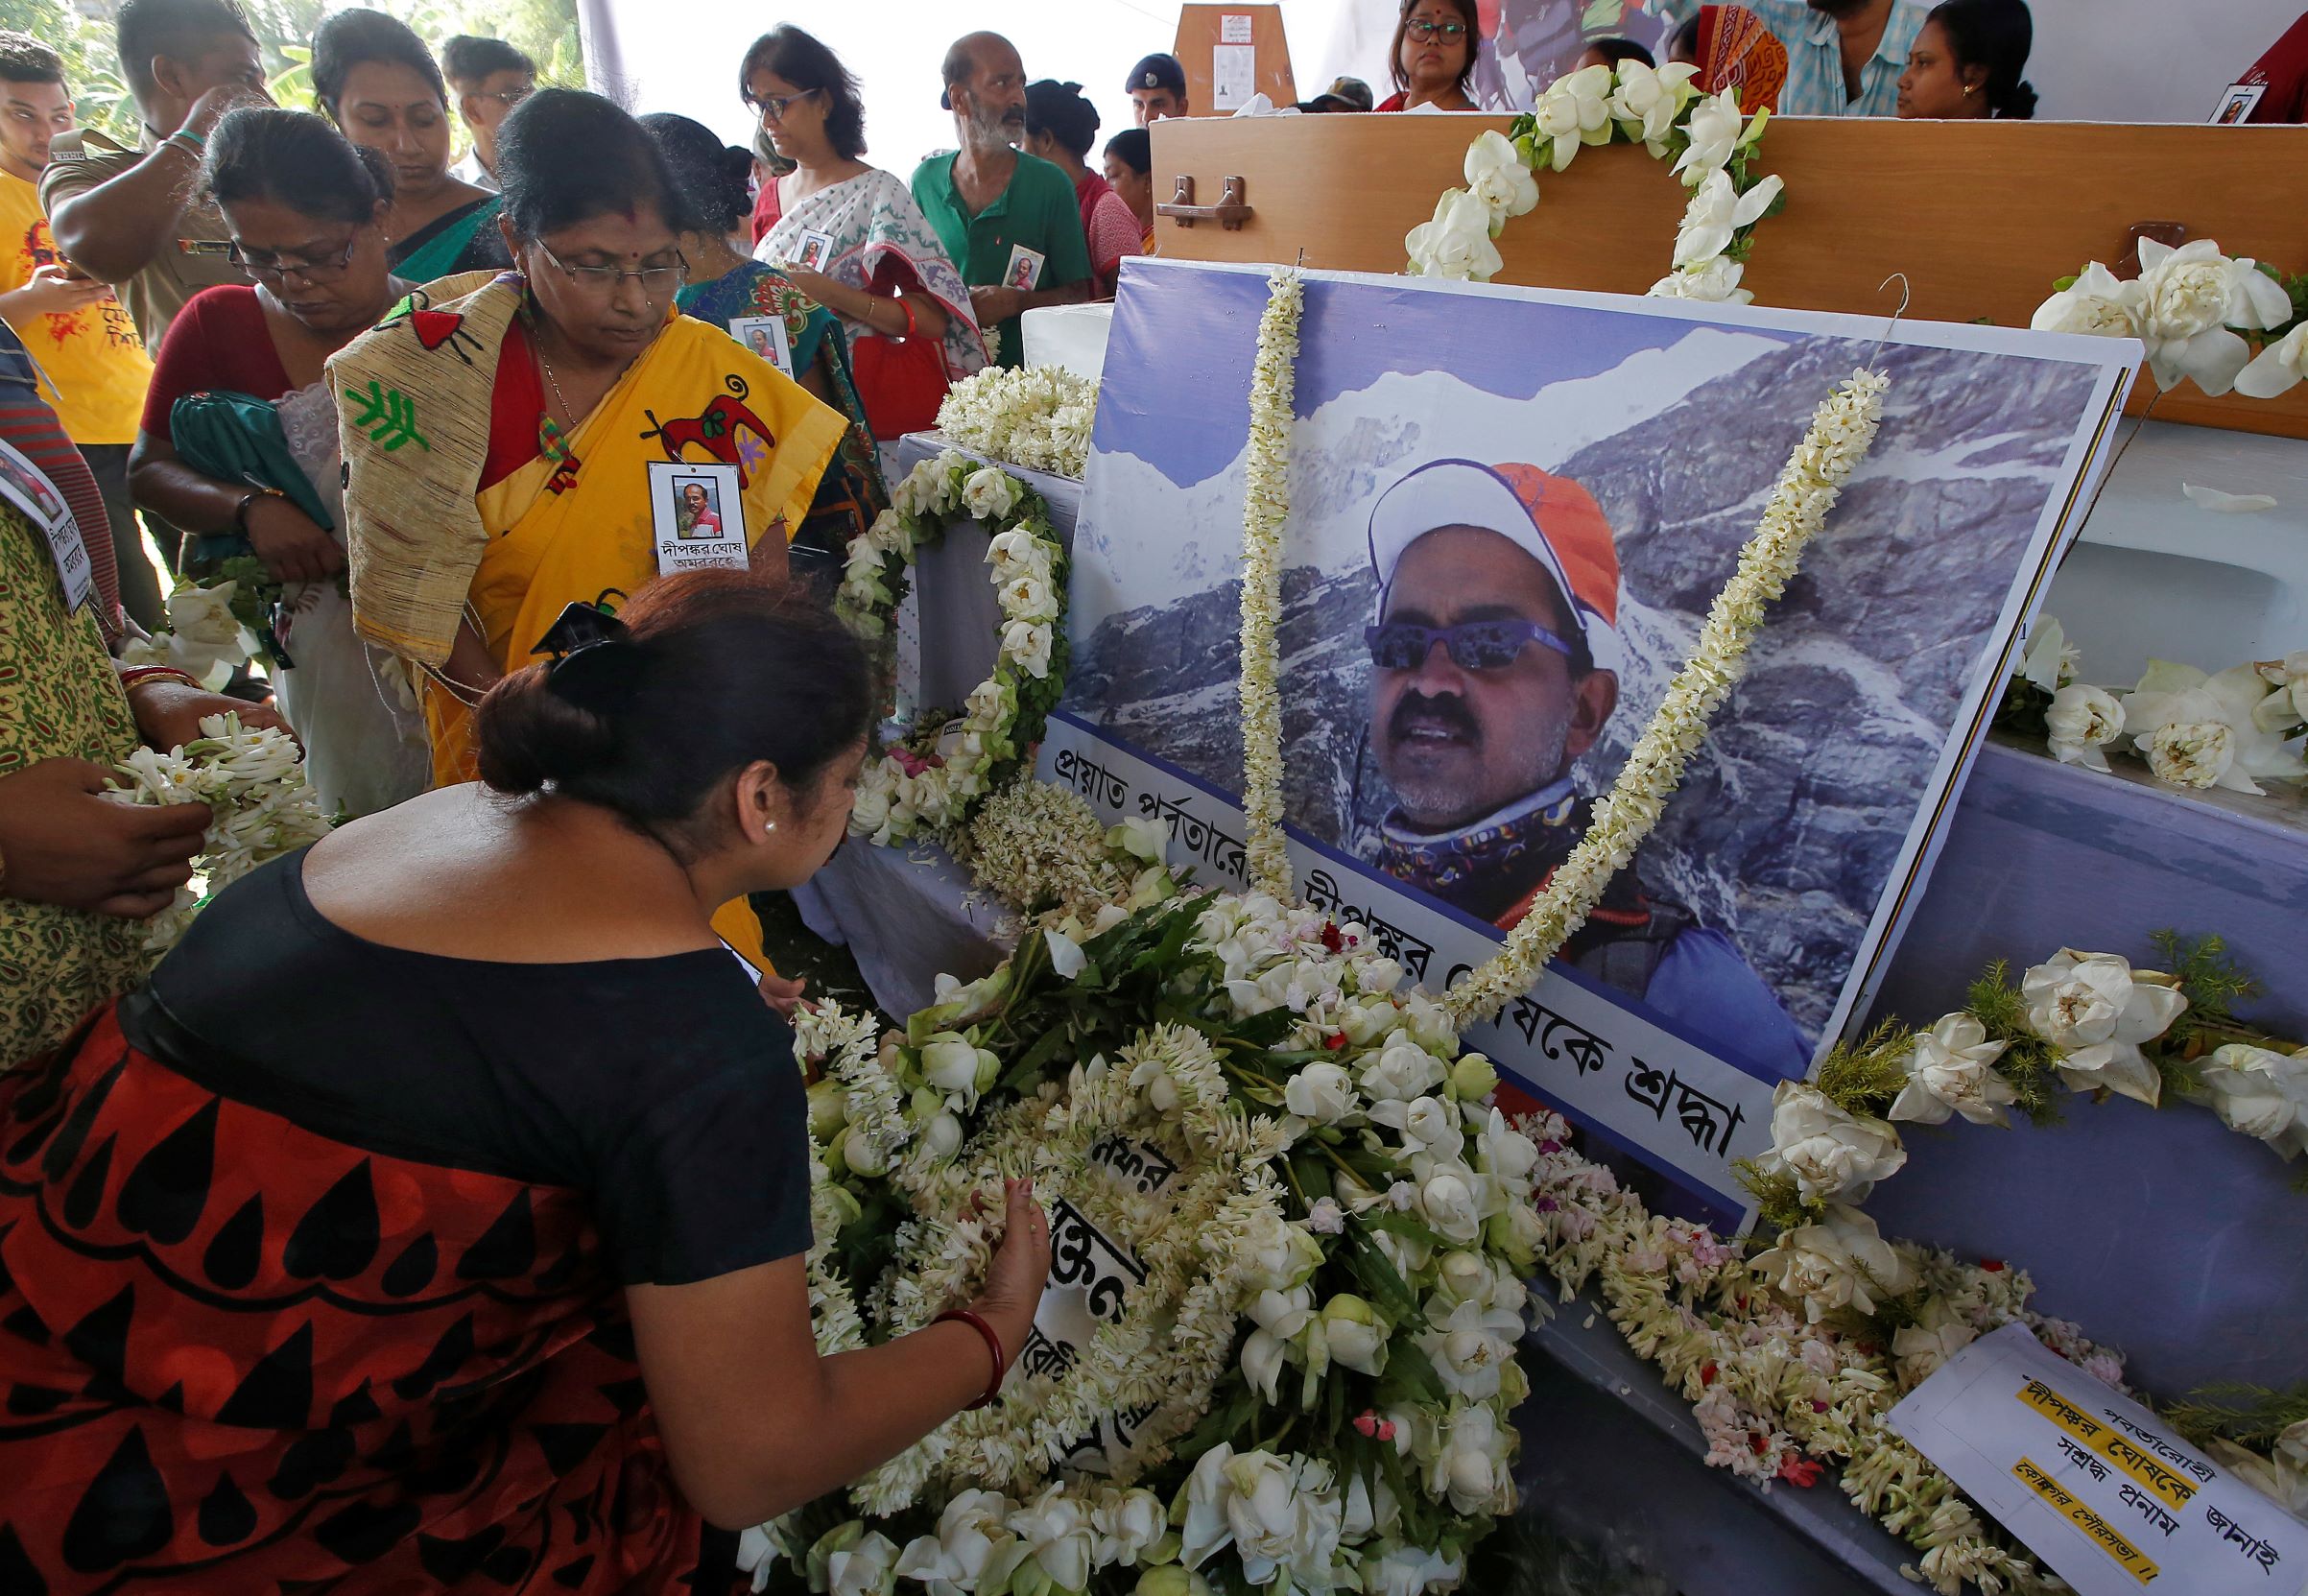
<point x="432" y="1216"/>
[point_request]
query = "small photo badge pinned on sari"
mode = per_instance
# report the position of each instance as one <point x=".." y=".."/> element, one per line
<point x="697" y="515"/>
<point x="816" y="252"/>
<point x="765" y="338"/>
<point x="27" y="487"/>
<point x="1025" y="272"/>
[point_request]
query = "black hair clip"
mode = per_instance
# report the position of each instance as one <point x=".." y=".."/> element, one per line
<point x="590" y="649"/>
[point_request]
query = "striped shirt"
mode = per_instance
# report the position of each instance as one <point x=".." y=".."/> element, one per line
<point x="1816" y="85"/>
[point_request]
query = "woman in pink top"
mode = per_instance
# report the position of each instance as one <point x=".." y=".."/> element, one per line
<point x="1061" y="127"/>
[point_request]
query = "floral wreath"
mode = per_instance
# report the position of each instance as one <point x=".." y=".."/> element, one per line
<point x="1711" y="141"/>
<point x="936" y="778"/>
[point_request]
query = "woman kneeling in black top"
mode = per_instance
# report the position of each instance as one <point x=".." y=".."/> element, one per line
<point x="437" y="1212"/>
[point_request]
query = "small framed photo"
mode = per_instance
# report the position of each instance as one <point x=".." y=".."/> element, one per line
<point x="816" y="252"/>
<point x="765" y="338"/>
<point x="696" y="514"/>
<point x="2238" y="102"/>
<point x="1025" y="271"/>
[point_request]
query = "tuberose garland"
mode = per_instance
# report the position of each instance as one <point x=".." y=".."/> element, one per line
<point x="1265" y="512"/>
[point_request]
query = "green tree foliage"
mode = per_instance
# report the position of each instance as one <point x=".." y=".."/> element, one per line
<point x="545" y="29"/>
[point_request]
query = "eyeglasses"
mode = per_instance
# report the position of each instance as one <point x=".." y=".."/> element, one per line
<point x="773" y="107"/>
<point x="507" y="97"/>
<point x="1476" y="646"/>
<point x="654" y="280"/>
<point x="274" y="272"/>
<point x="1426" y="33"/>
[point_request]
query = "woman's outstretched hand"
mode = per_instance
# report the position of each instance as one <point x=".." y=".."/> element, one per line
<point x="1021" y="1265"/>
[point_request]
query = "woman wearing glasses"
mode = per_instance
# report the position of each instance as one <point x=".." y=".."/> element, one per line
<point x="883" y="271"/>
<point x="499" y="434"/>
<point x="1434" y="56"/>
<point x="239" y="444"/>
<point x="381" y="86"/>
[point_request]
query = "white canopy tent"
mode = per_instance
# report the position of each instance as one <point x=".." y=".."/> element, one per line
<point x="2101" y="60"/>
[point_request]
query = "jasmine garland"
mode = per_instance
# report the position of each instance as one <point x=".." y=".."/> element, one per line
<point x="1265" y="512"/>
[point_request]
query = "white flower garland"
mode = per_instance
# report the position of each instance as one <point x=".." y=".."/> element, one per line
<point x="1841" y="431"/>
<point x="2229" y="322"/>
<point x="1265" y="512"/>
<point x="1710" y="139"/>
<point x="1038" y="418"/>
<point x="936" y="782"/>
<point x="252" y="782"/>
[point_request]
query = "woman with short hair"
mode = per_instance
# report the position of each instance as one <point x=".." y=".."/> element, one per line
<point x="435" y="1218"/>
<point x="379" y="84"/>
<point x="240" y="448"/>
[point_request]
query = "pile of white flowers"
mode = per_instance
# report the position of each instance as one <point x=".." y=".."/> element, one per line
<point x="253" y="784"/>
<point x="934" y="784"/>
<point x="2195" y="308"/>
<point x="2232" y="731"/>
<point x="1038" y="418"/>
<point x="1342" y="1193"/>
<point x="1709" y="138"/>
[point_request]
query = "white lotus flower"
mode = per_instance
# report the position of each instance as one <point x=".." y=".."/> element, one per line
<point x="850" y="1560"/>
<point x="1939" y="1332"/>
<point x="1574" y="111"/>
<point x="1321" y="1095"/>
<point x="1506" y="1152"/>
<point x="2287" y="707"/>
<point x="1496" y="175"/>
<point x="970" y="1535"/>
<point x="1144" y="837"/>
<point x="990" y="493"/>
<point x="1447" y="1202"/>
<point x="2189" y="299"/>
<point x="2095" y="303"/>
<point x="2080" y="722"/>
<point x="1841" y="1262"/>
<point x="2262" y="1093"/>
<point x="1473" y="1461"/>
<point x="1952" y="1071"/>
<point x="2194" y="754"/>
<point x="1356" y="1336"/>
<point x="1470" y="1346"/>
<point x="1053" y="1535"/>
<point x="1027" y="597"/>
<point x="1411" y="1571"/>
<point x="1272" y="1514"/>
<point x="1282" y="1317"/>
<point x="1648" y="100"/>
<point x="953" y="1065"/>
<point x="1715" y="126"/>
<point x="1457" y="243"/>
<point x="2097" y="1010"/>
<point x="1027" y="644"/>
<point x="1128" y="1523"/>
<point x="2277" y="368"/>
<point x="1717" y="212"/>
<point x="1830" y="1152"/>
<point x="1713" y="281"/>
<point x="1403" y="1070"/>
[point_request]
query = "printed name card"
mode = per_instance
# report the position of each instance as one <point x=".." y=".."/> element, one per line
<point x="2094" y="1484"/>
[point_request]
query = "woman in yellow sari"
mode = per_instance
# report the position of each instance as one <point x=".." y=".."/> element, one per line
<point x="514" y="444"/>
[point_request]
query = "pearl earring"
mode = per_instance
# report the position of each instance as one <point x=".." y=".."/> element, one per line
<point x="772" y="826"/>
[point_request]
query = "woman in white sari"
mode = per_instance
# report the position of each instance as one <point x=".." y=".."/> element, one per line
<point x="850" y="236"/>
<point x="239" y="437"/>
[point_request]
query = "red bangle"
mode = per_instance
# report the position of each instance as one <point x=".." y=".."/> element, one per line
<point x="912" y="325"/>
<point x="993" y="1345"/>
<point x="154" y="673"/>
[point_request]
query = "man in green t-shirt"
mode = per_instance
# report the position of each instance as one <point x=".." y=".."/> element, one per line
<point x="1008" y="220"/>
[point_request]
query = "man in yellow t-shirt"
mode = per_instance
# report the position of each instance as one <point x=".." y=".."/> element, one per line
<point x="88" y="347"/>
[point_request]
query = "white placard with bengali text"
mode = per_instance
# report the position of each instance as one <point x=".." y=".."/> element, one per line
<point x="2094" y="1484"/>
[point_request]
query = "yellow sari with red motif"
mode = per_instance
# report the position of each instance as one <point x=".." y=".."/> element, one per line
<point x="431" y="544"/>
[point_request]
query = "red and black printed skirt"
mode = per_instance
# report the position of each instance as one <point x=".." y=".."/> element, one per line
<point x="236" y="1356"/>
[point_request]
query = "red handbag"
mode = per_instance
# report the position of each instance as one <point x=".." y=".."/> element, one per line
<point x="902" y="381"/>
